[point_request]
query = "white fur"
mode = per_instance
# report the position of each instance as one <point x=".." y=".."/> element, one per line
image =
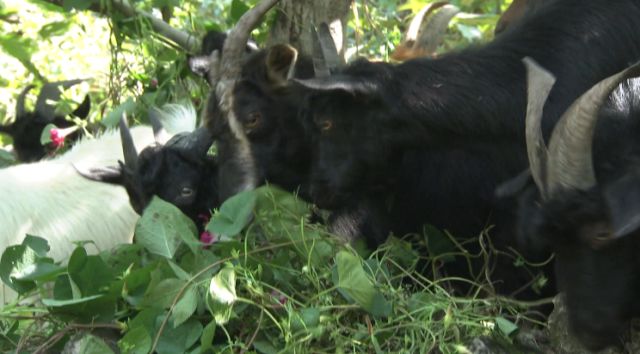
<point x="51" y="200"/>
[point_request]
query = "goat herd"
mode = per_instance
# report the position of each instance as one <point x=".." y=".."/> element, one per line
<point x="532" y="133"/>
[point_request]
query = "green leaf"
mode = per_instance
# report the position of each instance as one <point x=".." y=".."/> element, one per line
<point x="163" y="293"/>
<point x="60" y="303"/>
<point x="45" y="135"/>
<point x="185" y="307"/>
<point x="233" y="214"/>
<point x="222" y="295"/>
<point x="136" y="341"/>
<point x="264" y="347"/>
<point x="353" y="281"/>
<point x="180" y="339"/>
<point x="179" y="272"/>
<point x="90" y="273"/>
<point x="55" y="28"/>
<point x="305" y="319"/>
<point x="17" y="261"/>
<point x="90" y="344"/>
<point x="163" y="227"/>
<point x="38" y="244"/>
<point x="238" y="8"/>
<point x="18" y="47"/>
<point x="206" y="341"/>
<point x="506" y="327"/>
<point x="42" y="271"/>
<point x="6" y="158"/>
<point x="113" y="118"/>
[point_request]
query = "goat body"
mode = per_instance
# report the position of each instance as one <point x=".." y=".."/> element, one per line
<point x="51" y="200"/>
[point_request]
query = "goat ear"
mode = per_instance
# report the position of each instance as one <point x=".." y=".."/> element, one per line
<point x="281" y="61"/>
<point x="514" y="186"/>
<point x="623" y="200"/>
<point x="354" y="86"/>
<point x="83" y="109"/>
<point x="110" y="174"/>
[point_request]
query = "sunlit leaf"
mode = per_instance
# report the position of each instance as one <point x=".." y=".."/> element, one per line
<point x="233" y="214"/>
<point x="163" y="227"/>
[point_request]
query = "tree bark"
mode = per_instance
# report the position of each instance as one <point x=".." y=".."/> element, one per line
<point x="295" y="18"/>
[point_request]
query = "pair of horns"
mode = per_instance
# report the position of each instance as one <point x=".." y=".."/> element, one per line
<point x="50" y="91"/>
<point x="567" y="162"/>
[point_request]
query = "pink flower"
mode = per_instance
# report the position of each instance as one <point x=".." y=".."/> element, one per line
<point x="207" y="238"/>
<point x="153" y="83"/>
<point x="56" y="139"/>
<point x="58" y="135"/>
<point x="278" y="296"/>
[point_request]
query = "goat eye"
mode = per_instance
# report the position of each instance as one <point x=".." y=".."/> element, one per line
<point x="186" y="192"/>
<point x="326" y="125"/>
<point x="253" y="121"/>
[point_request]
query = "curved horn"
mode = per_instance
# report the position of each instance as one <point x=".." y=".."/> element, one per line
<point x="320" y="68"/>
<point x="128" y="148"/>
<point x="433" y="32"/>
<point x="20" y="109"/>
<point x="160" y="135"/>
<point x="329" y="48"/>
<point x="539" y="84"/>
<point x="411" y="35"/>
<point x="236" y="42"/>
<point x="51" y="91"/>
<point x="570" y="160"/>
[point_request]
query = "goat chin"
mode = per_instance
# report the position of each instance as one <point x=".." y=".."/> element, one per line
<point x="50" y="199"/>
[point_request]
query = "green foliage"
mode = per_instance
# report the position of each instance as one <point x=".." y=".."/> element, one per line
<point x="279" y="285"/>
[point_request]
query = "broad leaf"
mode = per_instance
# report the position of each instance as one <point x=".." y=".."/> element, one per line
<point x="185" y="307"/>
<point x="233" y="214"/>
<point x="163" y="227"/>
<point x="352" y="281"/>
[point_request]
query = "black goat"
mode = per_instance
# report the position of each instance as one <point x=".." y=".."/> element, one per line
<point x="178" y="171"/>
<point x="213" y="40"/>
<point x="462" y="113"/>
<point x="586" y="206"/>
<point x="27" y="127"/>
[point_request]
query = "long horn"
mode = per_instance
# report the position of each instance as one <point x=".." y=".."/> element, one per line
<point x="539" y="84"/>
<point x="20" y="109"/>
<point x="128" y="148"/>
<point x="51" y="91"/>
<point x="570" y="159"/>
<point x="236" y="42"/>
<point x="433" y="32"/>
<point x="411" y="36"/>
<point x="160" y="135"/>
<point x="329" y="48"/>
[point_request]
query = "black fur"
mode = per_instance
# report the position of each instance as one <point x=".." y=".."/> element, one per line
<point x="26" y="131"/>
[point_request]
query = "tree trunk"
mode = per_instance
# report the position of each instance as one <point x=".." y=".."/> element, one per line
<point x="295" y="18"/>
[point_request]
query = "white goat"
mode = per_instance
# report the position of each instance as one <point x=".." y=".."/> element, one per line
<point x="51" y="200"/>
